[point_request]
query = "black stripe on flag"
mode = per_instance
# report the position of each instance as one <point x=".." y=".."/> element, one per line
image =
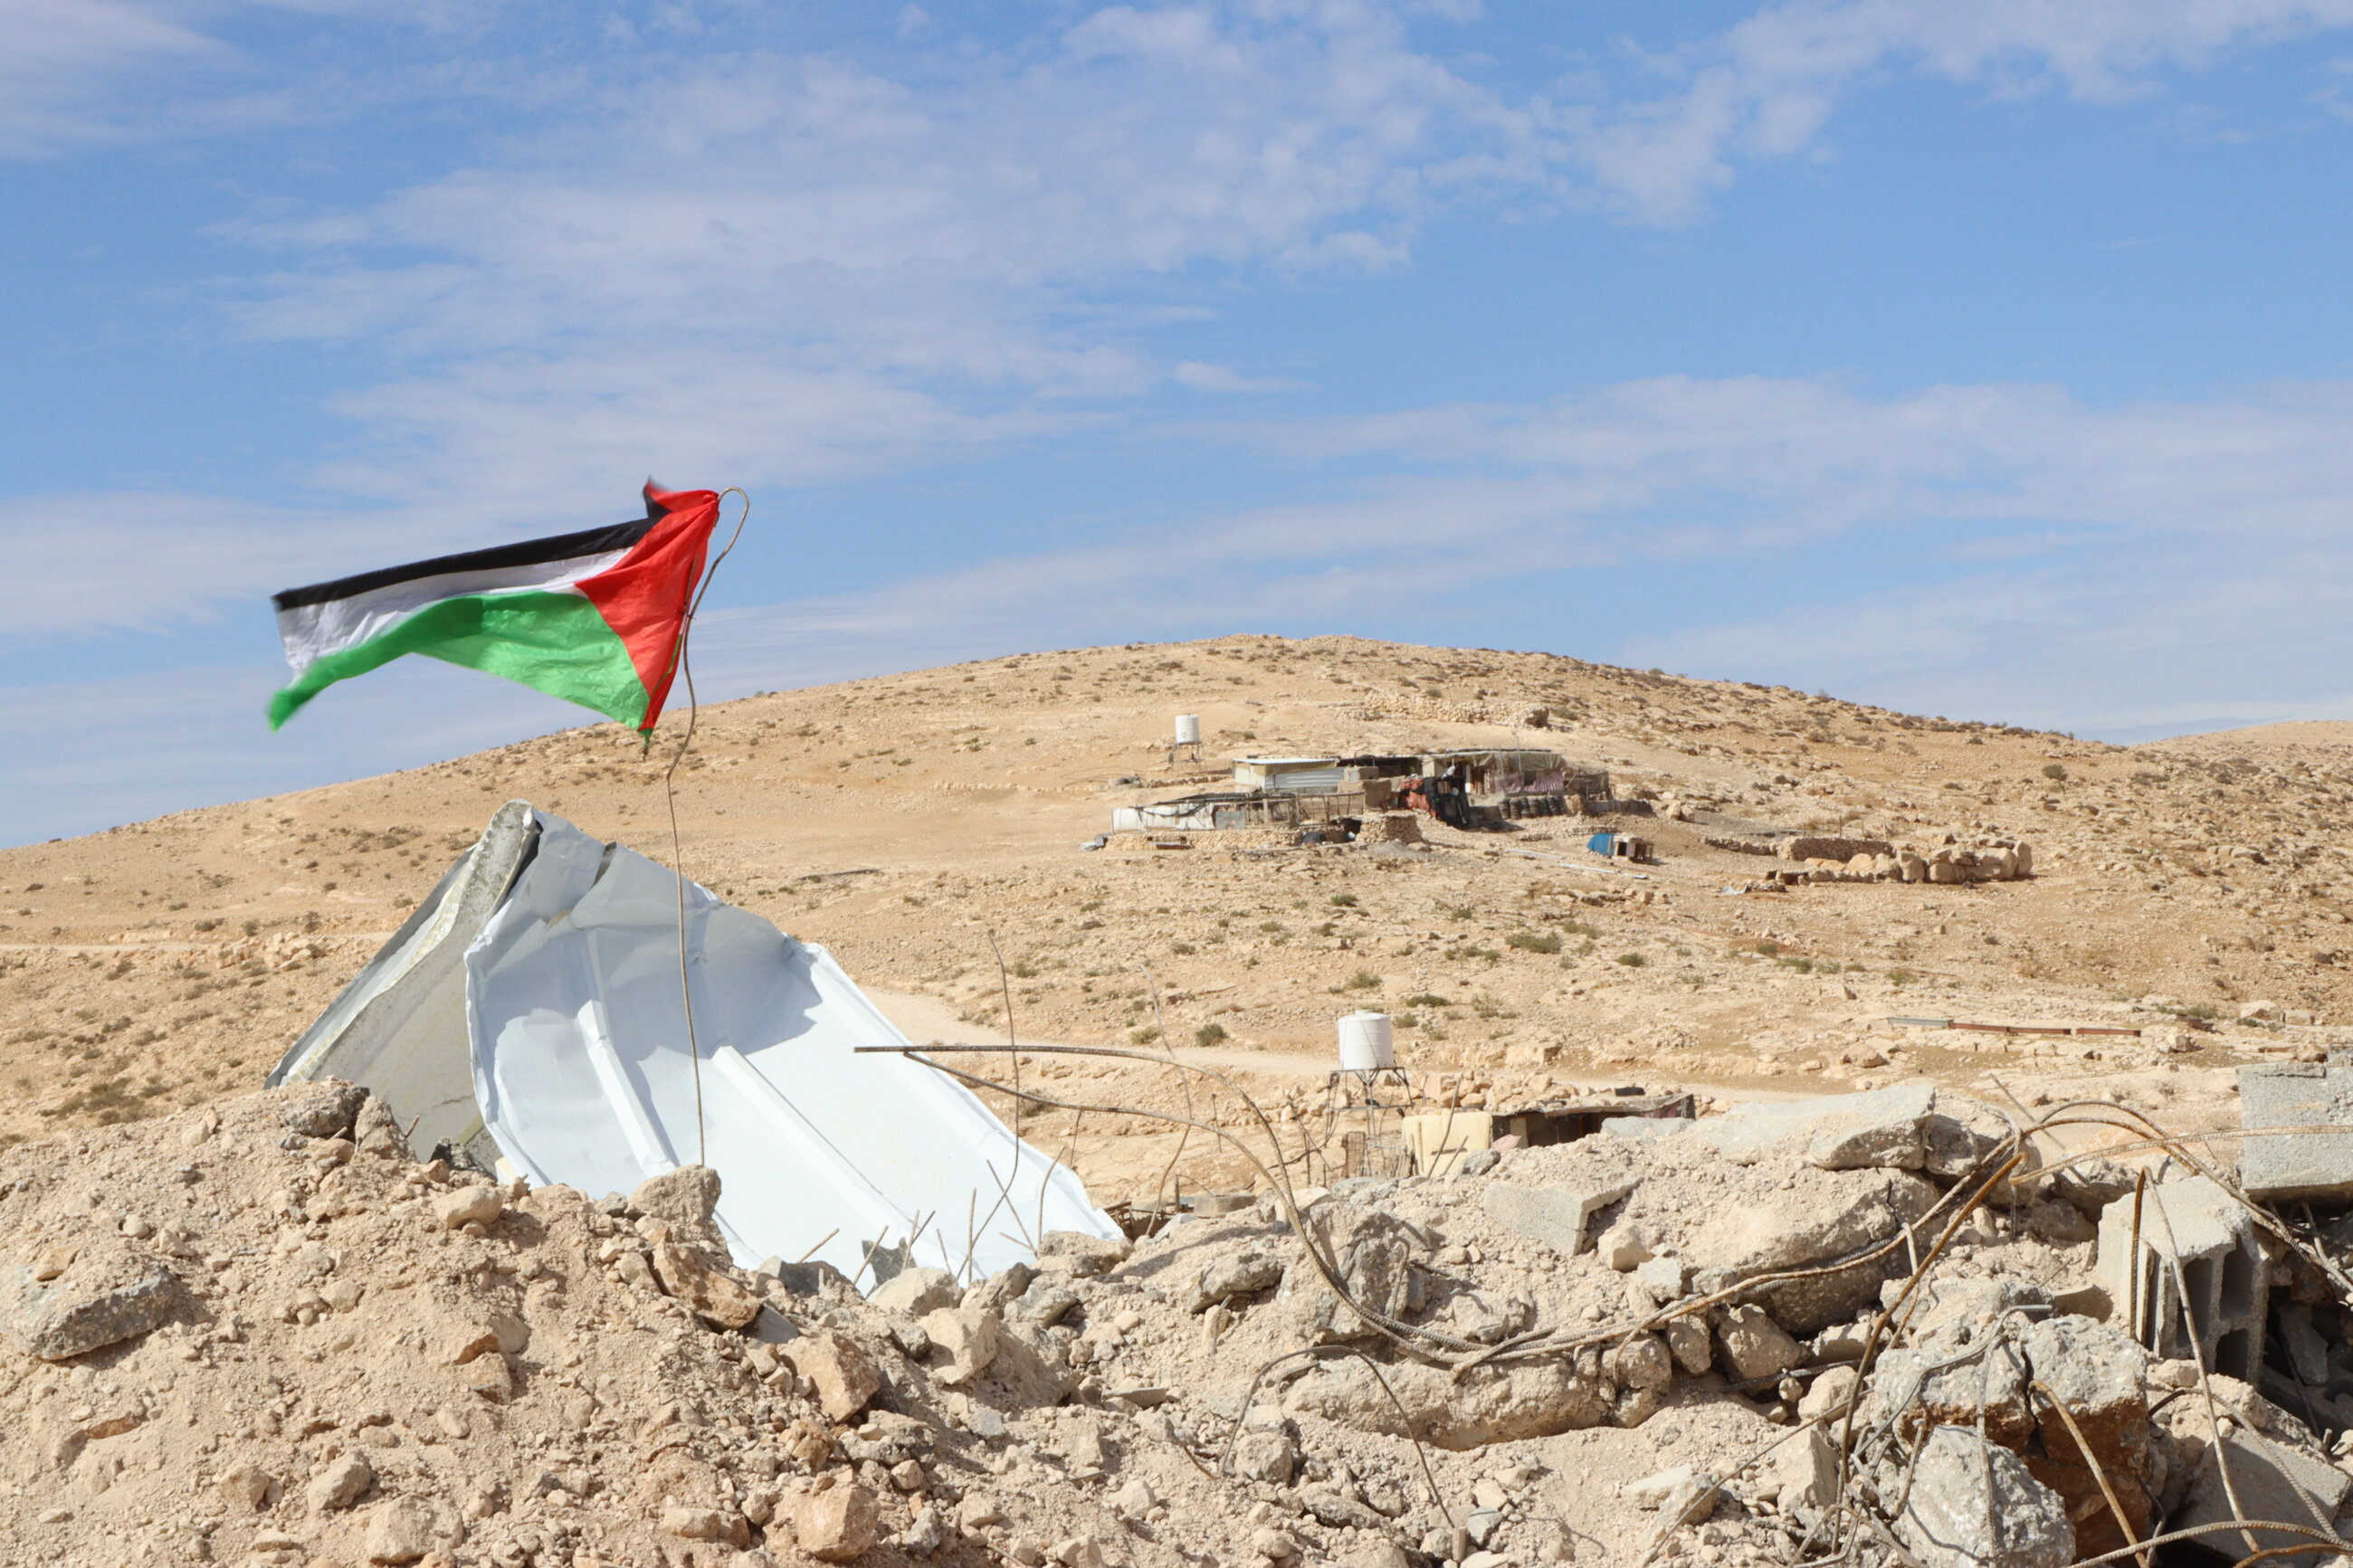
<point x="523" y="552"/>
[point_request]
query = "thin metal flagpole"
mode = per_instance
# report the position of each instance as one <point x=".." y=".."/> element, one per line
<point x="683" y="666"/>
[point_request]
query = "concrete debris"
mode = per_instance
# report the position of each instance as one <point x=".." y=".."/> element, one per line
<point x="1553" y="1215"/>
<point x="2193" y="1237"/>
<point x="340" y="1374"/>
<point x="1969" y="1503"/>
<point x="2308" y="1165"/>
<point x="2274" y="1480"/>
<point x="97" y="1291"/>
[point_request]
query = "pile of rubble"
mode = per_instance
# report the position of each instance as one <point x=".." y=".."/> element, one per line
<point x="263" y="1332"/>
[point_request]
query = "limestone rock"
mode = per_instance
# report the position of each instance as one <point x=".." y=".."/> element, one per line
<point x="837" y="1524"/>
<point x="1755" y="1345"/>
<point x="341" y="1482"/>
<point x="1624" y="1246"/>
<point x="969" y="1339"/>
<point x="1001" y="1290"/>
<point x="840" y="1374"/>
<point x="688" y="1276"/>
<point x="324" y="1108"/>
<point x="915" y="1291"/>
<point x="462" y="1207"/>
<point x="398" y="1533"/>
<point x="685" y="1200"/>
<point x="690" y="1523"/>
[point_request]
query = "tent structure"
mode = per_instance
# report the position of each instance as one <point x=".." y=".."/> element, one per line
<point x="530" y="1013"/>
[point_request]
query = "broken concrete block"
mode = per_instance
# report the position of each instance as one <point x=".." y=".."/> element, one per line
<point x="1687" y="1341"/>
<point x="1824" y="1216"/>
<point x="1080" y="1253"/>
<point x="2297" y="1164"/>
<point x="1936" y="1381"/>
<point x="1883" y="1128"/>
<point x="1244" y="1273"/>
<point x="1372" y="1250"/>
<point x="1662" y="1278"/>
<point x="2214" y="1240"/>
<point x="1973" y="1505"/>
<point x="2099" y="1375"/>
<point x="1827" y="1399"/>
<point x="1641" y="1361"/>
<point x="1553" y="1215"/>
<point x="2273" y="1481"/>
<point x="105" y="1293"/>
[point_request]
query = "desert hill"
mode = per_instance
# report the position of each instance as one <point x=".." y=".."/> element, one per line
<point x="903" y="820"/>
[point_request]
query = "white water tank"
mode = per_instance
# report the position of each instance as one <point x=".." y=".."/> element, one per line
<point x="1368" y="1042"/>
<point x="1188" y="729"/>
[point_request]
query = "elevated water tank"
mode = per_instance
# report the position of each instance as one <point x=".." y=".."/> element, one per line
<point x="1188" y="729"/>
<point x="1368" y="1042"/>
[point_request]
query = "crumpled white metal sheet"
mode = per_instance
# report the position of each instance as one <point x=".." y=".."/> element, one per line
<point x="528" y="1012"/>
<point x="583" y="1074"/>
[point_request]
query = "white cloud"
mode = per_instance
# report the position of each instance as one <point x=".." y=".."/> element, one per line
<point x="98" y="752"/>
<point x="143" y="562"/>
<point x="2173" y="559"/>
<point x="58" y="56"/>
<point x="1765" y="87"/>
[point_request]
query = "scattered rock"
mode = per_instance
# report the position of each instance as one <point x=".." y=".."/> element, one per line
<point x="341" y="1482"/>
<point x="837" y="1522"/>
<point x="915" y="1291"/>
<point x="690" y="1277"/>
<point x="842" y="1375"/>
<point x="99" y="1293"/>
<point x="1754" y="1345"/>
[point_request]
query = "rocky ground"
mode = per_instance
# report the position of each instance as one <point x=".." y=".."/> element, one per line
<point x="2185" y="901"/>
<point x="261" y="1332"/>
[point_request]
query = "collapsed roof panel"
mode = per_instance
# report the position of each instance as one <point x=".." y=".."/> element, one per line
<point x="575" y="1062"/>
<point x="399" y="1026"/>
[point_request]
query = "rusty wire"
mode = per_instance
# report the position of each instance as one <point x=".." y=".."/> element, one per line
<point x="1997" y="1167"/>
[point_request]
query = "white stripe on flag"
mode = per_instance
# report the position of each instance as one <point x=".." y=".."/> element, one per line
<point x="311" y="632"/>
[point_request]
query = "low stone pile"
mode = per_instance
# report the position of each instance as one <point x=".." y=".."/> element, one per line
<point x="263" y="1333"/>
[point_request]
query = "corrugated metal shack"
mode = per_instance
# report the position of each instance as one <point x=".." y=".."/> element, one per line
<point x="1472" y="787"/>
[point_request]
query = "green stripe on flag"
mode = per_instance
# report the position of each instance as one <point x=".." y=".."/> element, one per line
<point x="556" y="642"/>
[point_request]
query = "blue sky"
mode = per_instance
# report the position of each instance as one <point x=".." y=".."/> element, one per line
<point x="1980" y="357"/>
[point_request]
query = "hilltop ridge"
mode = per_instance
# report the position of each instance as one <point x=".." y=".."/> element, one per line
<point x="902" y="819"/>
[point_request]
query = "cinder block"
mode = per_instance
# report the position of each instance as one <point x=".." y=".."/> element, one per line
<point x="2297" y="1164"/>
<point x="2223" y="1267"/>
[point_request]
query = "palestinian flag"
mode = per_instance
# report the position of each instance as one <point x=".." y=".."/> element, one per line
<point x="593" y="618"/>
